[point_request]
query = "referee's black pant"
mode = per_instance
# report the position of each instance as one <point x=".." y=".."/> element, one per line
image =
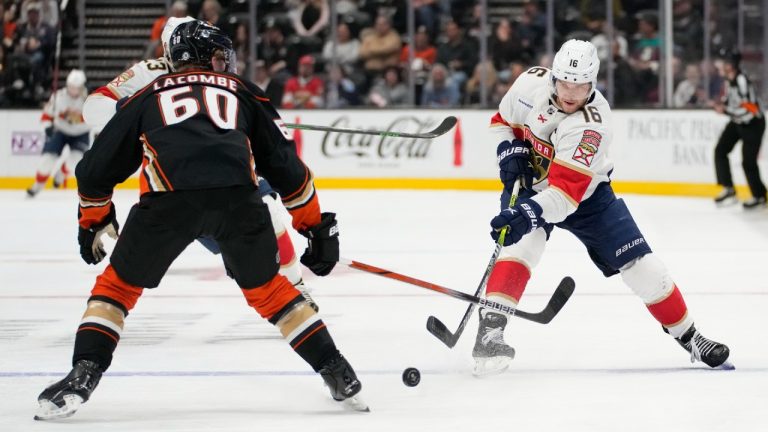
<point x="751" y="135"/>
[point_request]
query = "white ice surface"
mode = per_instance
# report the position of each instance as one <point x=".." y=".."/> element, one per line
<point x="195" y="357"/>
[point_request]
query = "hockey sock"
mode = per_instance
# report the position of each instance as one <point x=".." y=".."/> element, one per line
<point x="289" y="265"/>
<point x="102" y="323"/>
<point x="672" y="313"/>
<point x="508" y="280"/>
<point x="306" y="333"/>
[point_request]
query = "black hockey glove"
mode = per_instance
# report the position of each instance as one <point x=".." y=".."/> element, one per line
<point x="48" y="132"/>
<point x="91" y="247"/>
<point x="514" y="159"/>
<point x="322" y="254"/>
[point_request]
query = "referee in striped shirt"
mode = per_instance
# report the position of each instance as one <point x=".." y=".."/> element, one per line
<point x="747" y="124"/>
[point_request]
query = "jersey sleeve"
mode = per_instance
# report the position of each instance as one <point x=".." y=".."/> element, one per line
<point x="580" y="163"/>
<point x="276" y="160"/>
<point x="115" y="155"/>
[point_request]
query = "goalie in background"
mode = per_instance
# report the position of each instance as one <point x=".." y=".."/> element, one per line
<point x="63" y="121"/>
<point x="197" y="134"/>
<point x="557" y="118"/>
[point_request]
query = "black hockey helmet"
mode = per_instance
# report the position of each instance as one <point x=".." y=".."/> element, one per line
<point x="196" y="43"/>
<point x="731" y="56"/>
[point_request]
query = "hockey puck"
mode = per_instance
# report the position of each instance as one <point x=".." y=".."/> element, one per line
<point x="411" y="377"/>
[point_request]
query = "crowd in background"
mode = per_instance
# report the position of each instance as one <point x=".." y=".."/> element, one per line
<point x="299" y="65"/>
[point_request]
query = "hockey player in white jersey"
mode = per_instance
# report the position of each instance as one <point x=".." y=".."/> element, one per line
<point x="63" y="122"/>
<point x="102" y="103"/>
<point x="554" y="127"/>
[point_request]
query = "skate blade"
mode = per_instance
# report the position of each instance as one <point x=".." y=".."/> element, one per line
<point x="354" y="403"/>
<point x="491" y="366"/>
<point x="725" y="366"/>
<point x="50" y="411"/>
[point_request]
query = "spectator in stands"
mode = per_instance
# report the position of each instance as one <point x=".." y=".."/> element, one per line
<point x="427" y="15"/>
<point x="532" y="27"/>
<point x="626" y="89"/>
<point x="424" y="53"/>
<point x="688" y="30"/>
<point x="242" y="47"/>
<point x="341" y="92"/>
<point x="505" y="46"/>
<point x="212" y="12"/>
<point x="177" y="10"/>
<point x="49" y="11"/>
<point x="389" y="90"/>
<point x="272" y="88"/>
<point x="347" y="49"/>
<point x="473" y="88"/>
<point x="440" y="91"/>
<point x="380" y="47"/>
<point x="37" y="41"/>
<point x="304" y="90"/>
<point x="457" y="53"/>
<point x="690" y="93"/>
<point x="274" y="50"/>
<point x="310" y="17"/>
<point x="645" y="55"/>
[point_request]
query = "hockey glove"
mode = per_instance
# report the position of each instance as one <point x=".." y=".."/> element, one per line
<point x="48" y="132"/>
<point x="91" y="247"/>
<point x="520" y="219"/>
<point x="322" y="254"/>
<point x="514" y="159"/>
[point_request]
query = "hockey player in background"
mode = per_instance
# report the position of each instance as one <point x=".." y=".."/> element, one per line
<point x="196" y="134"/>
<point x="748" y="125"/>
<point x="62" y="119"/>
<point x="558" y="117"/>
<point x="100" y="106"/>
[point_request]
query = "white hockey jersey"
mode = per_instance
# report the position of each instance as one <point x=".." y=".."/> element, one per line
<point x="570" y="149"/>
<point x="65" y="113"/>
<point x="100" y="105"/>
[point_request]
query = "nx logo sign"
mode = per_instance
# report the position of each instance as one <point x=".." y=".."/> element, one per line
<point x="27" y="142"/>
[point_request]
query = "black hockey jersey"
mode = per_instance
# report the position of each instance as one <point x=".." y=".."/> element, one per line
<point x="195" y="130"/>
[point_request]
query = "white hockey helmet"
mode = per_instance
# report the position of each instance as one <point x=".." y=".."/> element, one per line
<point x="576" y="62"/>
<point x="76" y="78"/>
<point x="168" y="29"/>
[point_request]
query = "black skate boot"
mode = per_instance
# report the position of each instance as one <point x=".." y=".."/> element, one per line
<point x="63" y="398"/>
<point x="492" y="355"/>
<point x="343" y="383"/>
<point x="714" y="354"/>
<point x="754" y="203"/>
<point x="726" y="197"/>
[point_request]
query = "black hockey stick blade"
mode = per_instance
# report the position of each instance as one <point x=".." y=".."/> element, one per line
<point x="441" y="332"/>
<point x="447" y="124"/>
<point x="561" y="295"/>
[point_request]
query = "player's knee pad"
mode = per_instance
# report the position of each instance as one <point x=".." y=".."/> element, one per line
<point x="648" y="277"/>
<point x="528" y="250"/>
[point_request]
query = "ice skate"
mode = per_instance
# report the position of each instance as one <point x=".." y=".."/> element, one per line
<point x="304" y="290"/>
<point x="754" y="203"/>
<point x="726" y="197"/>
<point x="714" y="354"/>
<point x="35" y="189"/>
<point x="60" y="180"/>
<point x="492" y="355"/>
<point x="63" y="398"/>
<point x="343" y="383"/>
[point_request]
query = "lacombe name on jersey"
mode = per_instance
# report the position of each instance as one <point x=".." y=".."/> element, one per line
<point x="220" y="81"/>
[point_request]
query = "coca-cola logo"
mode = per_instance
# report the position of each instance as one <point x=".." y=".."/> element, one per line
<point x="339" y="145"/>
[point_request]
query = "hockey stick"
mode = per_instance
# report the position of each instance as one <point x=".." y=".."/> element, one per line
<point x="556" y="302"/>
<point x="437" y="327"/>
<point x="447" y="124"/>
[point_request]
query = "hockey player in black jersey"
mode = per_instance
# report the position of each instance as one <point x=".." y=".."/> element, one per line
<point x="196" y="136"/>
